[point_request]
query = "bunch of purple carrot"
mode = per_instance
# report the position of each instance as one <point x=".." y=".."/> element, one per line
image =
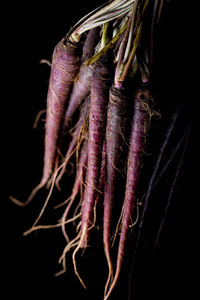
<point x="99" y="101"/>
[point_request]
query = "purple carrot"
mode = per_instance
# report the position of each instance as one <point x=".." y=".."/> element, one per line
<point x="82" y="84"/>
<point x="141" y="118"/>
<point x="90" y="43"/>
<point x="116" y="116"/>
<point x="81" y="89"/>
<point x="97" y="126"/>
<point x="65" y="65"/>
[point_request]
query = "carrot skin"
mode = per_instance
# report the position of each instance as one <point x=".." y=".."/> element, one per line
<point x="82" y="84"/>
<point x="102" y="174"/>
<point x="141" y="118"/>
<point x="114" y="139"/>
<point x="65" y="65"/>
<point x="90" y="43"/>
<point x="81" y="90"/>
<point x="97" y="126"/>
<point x="116" y="113"/>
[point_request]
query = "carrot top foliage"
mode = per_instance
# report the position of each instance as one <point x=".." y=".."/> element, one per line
<point x="99" y="111"/>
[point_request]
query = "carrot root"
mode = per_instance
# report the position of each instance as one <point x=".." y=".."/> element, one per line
<point x="141" y="118"/>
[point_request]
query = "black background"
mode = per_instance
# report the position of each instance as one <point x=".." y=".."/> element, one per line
<point x="30" y="262"/>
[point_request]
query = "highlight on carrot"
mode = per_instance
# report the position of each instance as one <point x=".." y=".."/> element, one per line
<point x="99" y="113"/>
